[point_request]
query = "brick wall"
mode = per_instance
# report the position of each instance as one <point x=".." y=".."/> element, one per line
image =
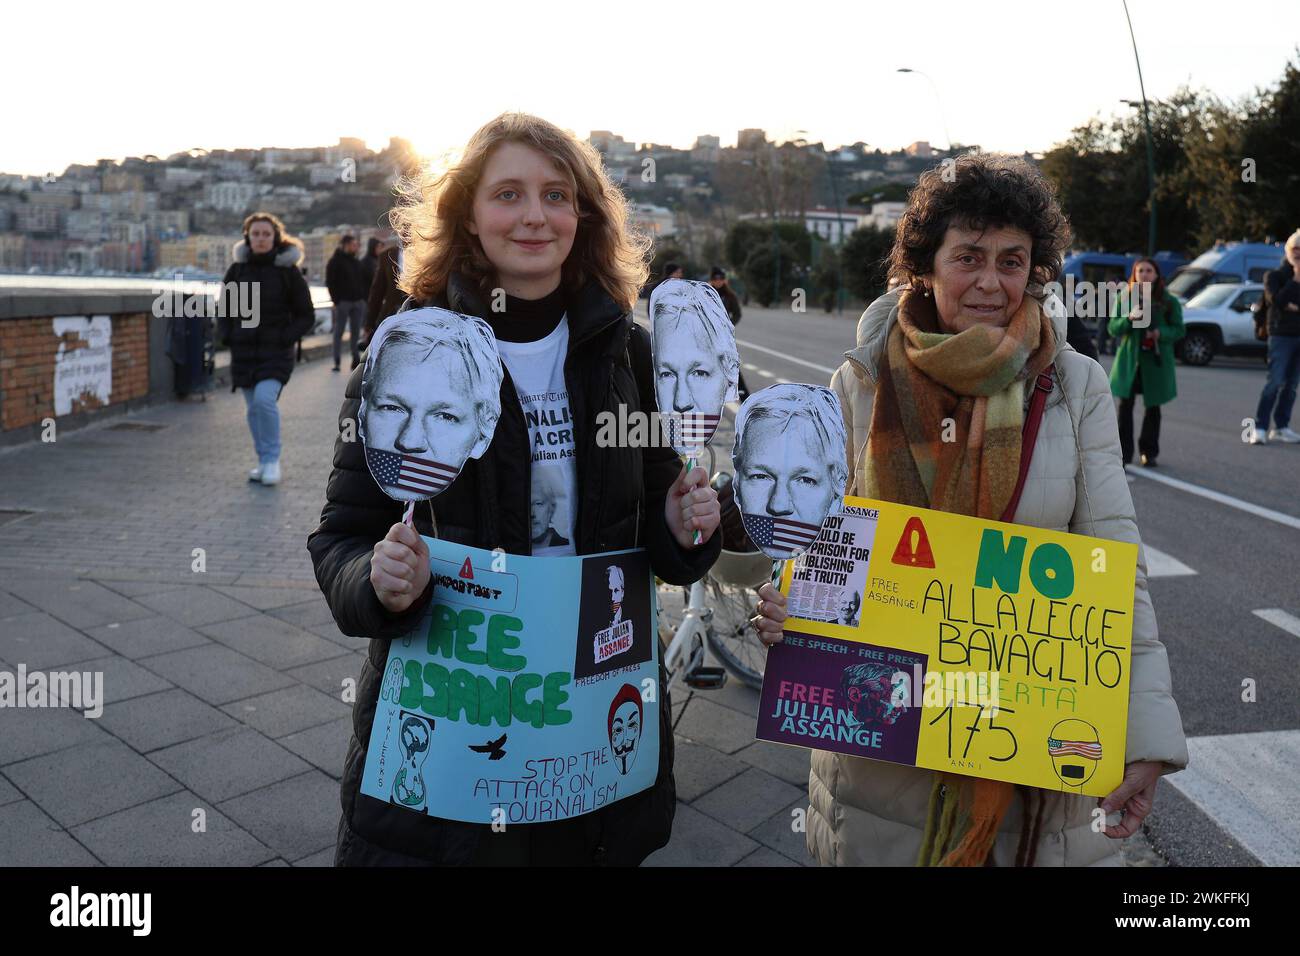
<point x="28" y="347"/>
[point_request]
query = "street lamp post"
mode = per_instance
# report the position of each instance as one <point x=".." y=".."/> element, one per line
<point x="937" y="98"/>
<point x="1151" y="153"/>
<point x="839" y="249"/>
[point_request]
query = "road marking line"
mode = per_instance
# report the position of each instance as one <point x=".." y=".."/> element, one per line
<point x="1280" y="618"/>
<point x="1245" y="784"/>
<point x="1284" y="519"/>
<point x="1162" y="565"/>
<point x="787" y="357"/>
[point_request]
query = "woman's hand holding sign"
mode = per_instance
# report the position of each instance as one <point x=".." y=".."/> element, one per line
<point x="769" y="621"/>
<point x="692" y="506"/>
<point x="1135" y="796"/>
<point x="399" y="568"/>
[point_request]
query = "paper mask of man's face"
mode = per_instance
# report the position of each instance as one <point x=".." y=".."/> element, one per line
<point x="430" y="400"/>
<point x="790" y="467"/>
<point x="696" y="365"/>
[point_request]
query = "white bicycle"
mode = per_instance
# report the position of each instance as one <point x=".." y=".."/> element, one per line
<point x="716" y="617"/>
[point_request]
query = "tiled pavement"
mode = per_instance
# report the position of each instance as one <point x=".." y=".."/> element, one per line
<point x="223" y="730"/>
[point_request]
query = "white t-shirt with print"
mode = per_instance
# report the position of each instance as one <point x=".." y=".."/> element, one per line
<point x="537" y="369"/>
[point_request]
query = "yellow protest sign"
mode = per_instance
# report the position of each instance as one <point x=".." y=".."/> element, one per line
<point x="956" y="643"/>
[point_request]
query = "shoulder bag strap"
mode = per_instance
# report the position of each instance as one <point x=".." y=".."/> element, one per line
<point x="1042" y="388"/>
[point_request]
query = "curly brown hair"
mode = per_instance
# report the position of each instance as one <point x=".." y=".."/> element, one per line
<point x="433" y="210"/>
<point x="979" y="191"/>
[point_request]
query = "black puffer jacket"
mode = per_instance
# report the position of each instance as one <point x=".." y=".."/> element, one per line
<point x="1283" y="290"/>
<point x="285" y="314"/>
<point x="620" y="505"/>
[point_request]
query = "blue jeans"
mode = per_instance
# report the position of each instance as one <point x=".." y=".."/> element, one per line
<point x="264" y="418"/>
<point x="1283" y="376"/>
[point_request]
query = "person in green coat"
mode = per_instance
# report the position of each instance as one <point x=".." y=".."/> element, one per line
<point x="1144" y="361"/>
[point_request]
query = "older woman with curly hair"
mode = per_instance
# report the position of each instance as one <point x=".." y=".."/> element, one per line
<point x="963" y="342"/>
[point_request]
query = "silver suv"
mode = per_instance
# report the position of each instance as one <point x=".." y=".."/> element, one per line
<point x="1218" y="321"/>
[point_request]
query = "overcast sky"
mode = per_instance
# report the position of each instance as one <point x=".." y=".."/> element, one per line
<point x="84" y="81"/>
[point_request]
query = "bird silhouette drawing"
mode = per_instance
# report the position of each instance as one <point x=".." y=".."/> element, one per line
<point x="493" y="748"/>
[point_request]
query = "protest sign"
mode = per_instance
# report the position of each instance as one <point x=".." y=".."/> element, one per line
<point x="958" y="644"/>
<point x="528" y="692"/>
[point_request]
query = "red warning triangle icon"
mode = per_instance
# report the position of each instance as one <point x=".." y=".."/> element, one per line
<point x="467" y="570"/>
<point x="919" y="556"/>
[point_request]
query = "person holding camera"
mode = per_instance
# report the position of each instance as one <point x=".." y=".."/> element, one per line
<point x="1144" y="360"/>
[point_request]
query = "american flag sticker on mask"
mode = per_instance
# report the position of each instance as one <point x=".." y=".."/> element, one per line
<point x="780" y="534"/>
<point x="421" y="476"/>
<point x="688" y="430"/>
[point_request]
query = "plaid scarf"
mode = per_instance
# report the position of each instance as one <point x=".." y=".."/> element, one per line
<point x="949" y="409"/>
<point x="946" y="434"/>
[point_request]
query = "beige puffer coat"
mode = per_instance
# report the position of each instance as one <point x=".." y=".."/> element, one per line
<point x="868" y="812"/>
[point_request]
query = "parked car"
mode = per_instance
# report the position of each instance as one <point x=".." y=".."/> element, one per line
<point x="1226" y="263"/>
<point x="1219" y="322"/>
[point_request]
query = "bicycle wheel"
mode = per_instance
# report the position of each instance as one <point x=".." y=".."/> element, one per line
<point x="729" y="636"/>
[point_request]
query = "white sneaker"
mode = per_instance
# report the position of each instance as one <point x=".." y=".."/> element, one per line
<point x="271" y="473"/>
<point x="1258" y="437"/>
<point x="1283" y="435"/>
<point x="255" y="474"/>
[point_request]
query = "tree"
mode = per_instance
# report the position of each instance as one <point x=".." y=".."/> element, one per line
<point x="760" y="272"/>
<point x="864" y="253"/>
<point x="748" y="234"/>
<point x="670" y="251"/>
<point x="825" y="276"/>
<point x="1271" y="138"/>
<point x="1223" y="170"/>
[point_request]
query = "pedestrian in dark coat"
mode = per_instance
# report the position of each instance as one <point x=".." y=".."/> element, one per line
<point x="265" y="276"/>
<point x="345" y="280"/>
<point x="1080" y="338"/>
<point x="386" y="297"/>
<point x="374" y="570"/>
<point x="718" y="279"/>
<point x="369" y="263"/>
<point x="1276" y="401"/>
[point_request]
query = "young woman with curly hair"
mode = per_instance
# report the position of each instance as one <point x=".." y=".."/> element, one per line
<point x="527" y="232"/>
